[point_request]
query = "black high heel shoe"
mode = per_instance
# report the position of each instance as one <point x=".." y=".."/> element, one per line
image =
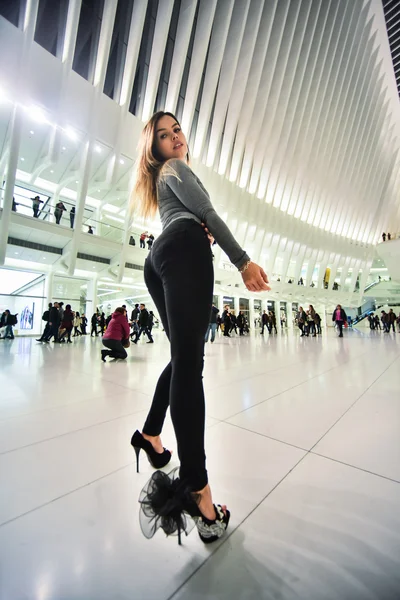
<point x="211" y="530"/>
<point x="168" y="503"/>
<point x="157" y="460"/>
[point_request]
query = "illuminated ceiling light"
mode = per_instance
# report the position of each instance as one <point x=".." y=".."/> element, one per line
<point x="32" y="132"/>
<point x="51" y="171"/>
<point x="122" y="162"/>
<point x="98" y="149"/>
<point x="16" y="252"/>
<point x="71" y="133"/>
<point x="99" y="190"/>
<point x="22" y="158"/>
<point x="44" y="258"/>
<point x="37" y="114"/>
<point x="77" y="181"/>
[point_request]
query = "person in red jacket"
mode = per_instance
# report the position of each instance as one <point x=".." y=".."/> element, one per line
<point x="116" y="334"/>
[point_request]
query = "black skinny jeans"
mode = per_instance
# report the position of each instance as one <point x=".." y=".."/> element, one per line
<point x="179" y="276"/>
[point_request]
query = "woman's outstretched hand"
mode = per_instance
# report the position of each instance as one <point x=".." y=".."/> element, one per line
<point x="255" y="278"/>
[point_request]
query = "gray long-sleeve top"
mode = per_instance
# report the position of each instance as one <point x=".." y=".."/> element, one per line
<point x="186" y="198"/>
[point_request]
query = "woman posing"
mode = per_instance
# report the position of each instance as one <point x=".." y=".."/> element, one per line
<point x="179" y="275"/>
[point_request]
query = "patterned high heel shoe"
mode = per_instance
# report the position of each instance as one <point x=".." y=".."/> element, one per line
<point x="167" y="503"/>
<point x="157" y="460"/>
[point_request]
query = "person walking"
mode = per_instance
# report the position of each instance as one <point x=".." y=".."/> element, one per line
<point x="58" y="211"/>
<point x="385" y="321"/>
<point x="241" y="322"/>
<point x="377" y="323"/>
<point x="46" y="318"/>
<point x="116" y="338"/>
<point x="226" y="320"/>
<point x="302" y="321"/>
<point x="182" y="253"/>
<point x="264" y="321"/>
<point x="72" y="217"/>
<point x="8" y="321"/>
<point x="102" y="323"/>
<point x="142" y="239"/>
<point x="134" y="321"/>
<point x="83" y="324"/>
<point x="233" y="322"/>
<point x="311" y="320"/>
<point x="317" y="321"/>
<point x="94" y="322"/>
<point x="54" y="322"/>
<point x="36" y="202"/>
<point x="77" y="324"/>
<point x="143" y="323"/>
<point x="272" y="321"/>
<point x="150" y="241"/>
<point x="339" y="317"/>
<point x="67" y="325"/>
<point x="212" y="326"/>
<point x="391" y="319"/>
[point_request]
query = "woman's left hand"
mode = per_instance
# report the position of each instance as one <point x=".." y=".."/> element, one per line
<point x="209" y="235"/>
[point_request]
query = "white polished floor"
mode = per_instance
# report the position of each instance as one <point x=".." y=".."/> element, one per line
<point x="303" y="445"/>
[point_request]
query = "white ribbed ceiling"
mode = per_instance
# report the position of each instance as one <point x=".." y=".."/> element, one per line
<point x="292" y="104"/>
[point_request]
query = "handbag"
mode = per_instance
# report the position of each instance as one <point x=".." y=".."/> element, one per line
<point x="126" y="343"/>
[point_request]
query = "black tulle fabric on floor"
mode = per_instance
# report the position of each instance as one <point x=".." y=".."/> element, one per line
<point x="166" y="503"/>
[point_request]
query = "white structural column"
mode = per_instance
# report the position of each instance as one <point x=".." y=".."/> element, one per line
<point x="12" y="163"/>
<point x="164" y="13"/>
<point x="236" y="305"/>
<point x="289" y="315"/>
<point x="48" y="287"/>
<point x="184" y="30"/>
<point x="253" y="83"/>
<point x="91" y="297"/>
<point x="260" y="106"/>
<point x="132" y="51"/>
<point x="227" y="75"/>
<point x="219" y="36"/>
<point x="240" y="82"/>
<point x="103" y="52"/>
<point x="128" y="77"/>
<point x="202" y="36"/>
<point x="252" y="313"/>
<point x="29" y="25"/>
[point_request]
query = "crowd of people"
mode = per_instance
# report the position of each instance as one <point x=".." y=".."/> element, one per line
<point x="388" y="237"/>
<point x="387" y="319"/>
<point x="308" y="321"/>
<point x="61" y="322"/>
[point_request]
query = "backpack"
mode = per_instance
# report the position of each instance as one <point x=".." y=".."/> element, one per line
<point x="13" y="319"/>
<point x="46" y="315"/>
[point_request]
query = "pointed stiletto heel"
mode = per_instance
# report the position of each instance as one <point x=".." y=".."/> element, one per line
<point x="157" y="460"/>
<point x="137" y="450"/>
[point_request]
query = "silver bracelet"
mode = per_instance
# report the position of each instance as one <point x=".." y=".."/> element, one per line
<point x="245" y="267"/>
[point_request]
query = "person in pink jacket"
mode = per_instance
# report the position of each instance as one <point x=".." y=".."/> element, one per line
<point x="117" y="333"/>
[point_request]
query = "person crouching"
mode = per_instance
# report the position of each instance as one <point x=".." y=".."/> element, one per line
<point x="116" y="336"/>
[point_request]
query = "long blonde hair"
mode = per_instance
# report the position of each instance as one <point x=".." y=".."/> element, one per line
<point x="149" y="168"/>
